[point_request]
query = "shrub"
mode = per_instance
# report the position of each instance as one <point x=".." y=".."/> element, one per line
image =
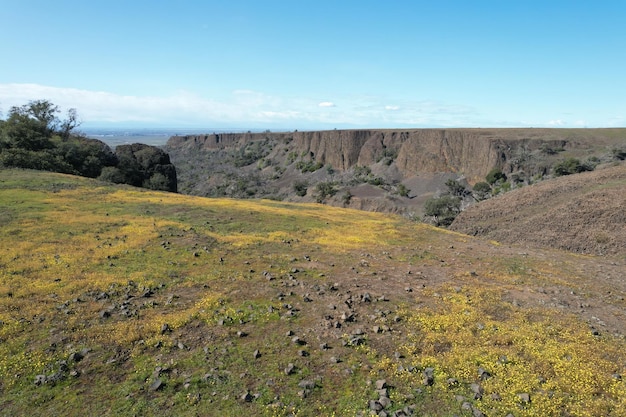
<point x="495" y="175"/>
<point x="300" y="188"/>
<point x="443" y="209"/>
<point x="403" y="191"/>
<point x="455" y="188"/>
<point x="570" y="166"/>
<point x="482" y="191"/>
<point x="324" y="190"/>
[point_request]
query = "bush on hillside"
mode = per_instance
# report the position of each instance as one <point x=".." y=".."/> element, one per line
<point x="570" y="166"/>
<point x="495" y="175"/>
<point x="33" y="137"/>
<point x="443" y="210"/>
<point x="481" y="191"/>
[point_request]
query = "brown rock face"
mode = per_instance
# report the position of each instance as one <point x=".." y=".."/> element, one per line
<point x="469" y="152"/>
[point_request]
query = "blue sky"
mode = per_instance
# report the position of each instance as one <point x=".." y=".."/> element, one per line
<point x="319" y="64"/>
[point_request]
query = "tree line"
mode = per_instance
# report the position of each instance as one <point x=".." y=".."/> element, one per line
<point x="33" y="136"/>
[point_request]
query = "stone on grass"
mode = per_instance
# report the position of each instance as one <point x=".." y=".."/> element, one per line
<point x="381" y="383"/>
<point x="290" y="369"/>
<point x="156" y="385"/>
<point x="246" y="397"/>
<point x="477" y="389"/>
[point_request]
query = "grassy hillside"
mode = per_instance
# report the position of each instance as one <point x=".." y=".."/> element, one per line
<point x="117" y="301"/>
<point x="584" y="213"/>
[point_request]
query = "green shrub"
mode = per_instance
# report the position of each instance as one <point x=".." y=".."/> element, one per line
<point x="402" y="190"/>
<point x="443" y="209"/>
<point x="495" y="175"/>
<point x="323" y="190"/>
<point x="481" y="191"/>
<point x="570" y="166"/>
<point x="300" y="188"/>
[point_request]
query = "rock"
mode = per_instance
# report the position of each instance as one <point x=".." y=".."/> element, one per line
<point x="524" y="398"/>
<point x="429" y="376"/>
<point x="105" y="314"/>
<point x="40" y="380"/>
<point x="307" y="384"/>
<point x="477" y="413"/>
<point x="381" y="383"/>
<point x="375" y="406"/>
<point x="483" y="374"/>
<point x="156" y="385"/>
<point x="165" y="328"/>
<point x="241" y="334"/>
<point x="76" y="357"/>
<point x="246" y="397"/>
<point x="290" y="369"/>
<point x="303" y="353"/>
<point x="334" y="359"/>
<point x="477" y="389"/>
<point x="256" y="354"/>
<point x="298" y="341"/>
<point x="384" y="401"/>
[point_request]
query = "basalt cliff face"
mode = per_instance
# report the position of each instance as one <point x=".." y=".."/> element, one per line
<point x="371" y="164"/>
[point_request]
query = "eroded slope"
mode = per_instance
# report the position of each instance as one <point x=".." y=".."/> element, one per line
<point x="584" y="213"/>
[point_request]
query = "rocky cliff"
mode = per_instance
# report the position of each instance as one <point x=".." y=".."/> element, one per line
<point x="269" y="164"/>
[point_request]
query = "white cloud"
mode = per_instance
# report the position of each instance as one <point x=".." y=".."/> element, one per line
<point x="241" y="108"/>
<point x="557" y="122"/>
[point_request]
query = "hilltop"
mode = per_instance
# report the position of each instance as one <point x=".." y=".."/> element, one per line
<point x="117" y="301"/>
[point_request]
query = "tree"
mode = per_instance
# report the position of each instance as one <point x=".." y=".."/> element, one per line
<point x="443" y="209"/>
<point x="457" y="189"/>
<point x="300" y="188"/>
<point x="68" y="125"/>
<point x="482" y="190"/>
<point x="324" y="190"/>
<point x="495" y="175"/>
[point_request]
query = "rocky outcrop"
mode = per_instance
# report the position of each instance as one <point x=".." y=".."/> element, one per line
<point x="468" y="152"/>
<point x="387" y="170"/>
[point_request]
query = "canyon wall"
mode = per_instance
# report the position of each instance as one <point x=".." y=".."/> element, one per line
<point x="469" y="152"/>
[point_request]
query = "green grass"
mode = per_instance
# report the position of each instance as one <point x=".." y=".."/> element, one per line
<point x="73" y="248"/>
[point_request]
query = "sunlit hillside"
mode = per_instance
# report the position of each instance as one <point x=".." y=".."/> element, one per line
<point x="118" y="301"/>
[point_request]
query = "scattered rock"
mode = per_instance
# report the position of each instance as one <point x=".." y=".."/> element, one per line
<point x="380" y="384"/>
<point x="246" y="397"/>
<point x="298" y="341"/>
<point x="429" y="377"/>
<point x="307" y="384"/>
<point x="40" y="380"/>
<point x="290" y="369"/>
<point x="156" y="385"/>
<point x="477" y="389"/>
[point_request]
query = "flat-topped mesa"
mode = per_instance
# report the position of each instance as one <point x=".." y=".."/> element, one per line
<point x="470" y="152"/>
